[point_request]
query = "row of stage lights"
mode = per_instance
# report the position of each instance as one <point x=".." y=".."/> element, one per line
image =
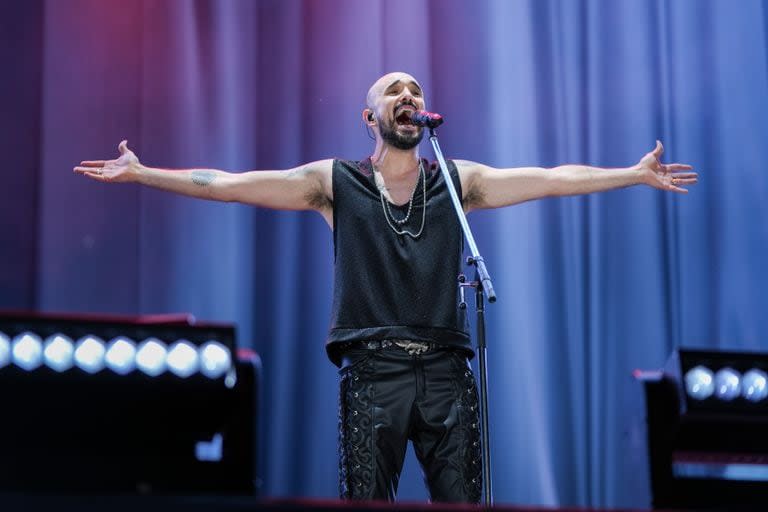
<point x="726" y="384"/>
<point x="121" y="355"/>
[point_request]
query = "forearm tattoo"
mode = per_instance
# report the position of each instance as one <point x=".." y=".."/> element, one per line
<point x="203" y="178"/>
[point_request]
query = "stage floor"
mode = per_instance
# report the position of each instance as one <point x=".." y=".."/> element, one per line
<point x="132" y="503"/>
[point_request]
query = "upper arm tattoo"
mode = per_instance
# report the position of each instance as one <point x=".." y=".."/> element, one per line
<point x="203" y="178"/>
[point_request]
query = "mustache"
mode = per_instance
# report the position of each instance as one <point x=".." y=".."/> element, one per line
<point x="404" y="103"/>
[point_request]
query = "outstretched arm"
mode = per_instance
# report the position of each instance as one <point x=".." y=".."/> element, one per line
<point x="487" y="187"/>
<point x="307" y="187"/>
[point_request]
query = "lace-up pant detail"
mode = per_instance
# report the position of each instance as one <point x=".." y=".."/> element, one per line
<point x="355" y="433"/>
<point x="387" y="397"/>
<point x="470" y="425"/>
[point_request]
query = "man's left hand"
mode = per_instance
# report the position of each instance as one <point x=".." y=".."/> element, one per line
<point x="666" y="176"/>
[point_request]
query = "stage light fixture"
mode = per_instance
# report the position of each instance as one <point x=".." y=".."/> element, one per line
<point x="754" y="385"/>
<point x="707" y="417"/>
<point x="714" y="382"/>
<point x="58" y="352"/>
<point x="727" y="384"/>
<point x="215" y="359"/>
<point x="65" y="411"/>
<point x="699" y="383"/>
<point x="121" y="355"/>
<point x="89" y="354"/>
<point x="183" y="359"/>
<point x="27" y="351"/>
<point x="151" y="357"/>
<point x="5" y="350"/>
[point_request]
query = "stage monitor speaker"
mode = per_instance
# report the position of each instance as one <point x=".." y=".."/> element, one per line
<point x="707" y="417"/>
<point x="115" y="405"/>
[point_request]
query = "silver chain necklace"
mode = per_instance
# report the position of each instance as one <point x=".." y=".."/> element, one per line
<point x="388" y="210"/>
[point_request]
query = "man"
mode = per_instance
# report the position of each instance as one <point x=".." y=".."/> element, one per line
<point x="396" y="329"/>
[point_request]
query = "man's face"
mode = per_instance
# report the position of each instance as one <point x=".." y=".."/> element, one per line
<point x="392" y="98"/>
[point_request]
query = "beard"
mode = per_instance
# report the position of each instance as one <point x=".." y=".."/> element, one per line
<point x="398" y="140"/>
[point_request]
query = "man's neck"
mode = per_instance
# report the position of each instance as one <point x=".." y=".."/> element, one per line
<point x="395" y="163"/>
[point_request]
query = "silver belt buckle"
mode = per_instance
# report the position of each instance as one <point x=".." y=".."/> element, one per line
<point x="413" y="347"/>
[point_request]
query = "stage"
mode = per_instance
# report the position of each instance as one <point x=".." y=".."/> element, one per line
<point x="16" y="503"/>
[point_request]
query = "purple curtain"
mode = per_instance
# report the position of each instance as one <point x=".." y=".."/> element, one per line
<point x="590" y="287"/>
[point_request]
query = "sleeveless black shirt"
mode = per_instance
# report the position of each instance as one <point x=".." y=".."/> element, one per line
<point x="386" y="285"/>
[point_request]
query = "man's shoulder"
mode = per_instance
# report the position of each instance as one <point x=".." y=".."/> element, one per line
<point x="320" y="166"/>
<point x="353" y="167"/>
<point x="466" y="166"/>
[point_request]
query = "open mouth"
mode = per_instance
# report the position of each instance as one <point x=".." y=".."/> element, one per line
<point x="403" y="114"/>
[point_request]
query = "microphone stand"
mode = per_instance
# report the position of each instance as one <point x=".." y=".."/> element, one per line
<point x="482" y="285"/>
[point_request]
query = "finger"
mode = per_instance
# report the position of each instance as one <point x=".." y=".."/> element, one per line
<point x="658" y="150"/>
<point x="678" y="167"/>
<point x="673" y="186"/>
<point x="677" y="179"/>
<point x="85" y="170"/>
<point x="94" y="175"/>
<point x="93" y="163"/>
<point x="123" y="147"/>
<point x="685" y="175"/>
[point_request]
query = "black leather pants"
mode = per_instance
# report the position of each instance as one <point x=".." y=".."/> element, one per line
<point x="387" y="397"/>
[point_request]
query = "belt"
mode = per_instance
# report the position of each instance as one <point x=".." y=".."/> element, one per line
<point x="410" y="346"/>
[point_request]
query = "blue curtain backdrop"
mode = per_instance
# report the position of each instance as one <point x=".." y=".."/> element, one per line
<point x="590" y="287"/>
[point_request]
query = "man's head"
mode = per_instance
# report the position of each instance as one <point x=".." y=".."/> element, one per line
<point x="390" y="101"/>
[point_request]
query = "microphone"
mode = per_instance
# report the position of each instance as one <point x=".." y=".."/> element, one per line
<point x="426" y="119"/>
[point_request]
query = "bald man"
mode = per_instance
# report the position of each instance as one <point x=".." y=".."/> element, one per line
<point x="396" y="329"/>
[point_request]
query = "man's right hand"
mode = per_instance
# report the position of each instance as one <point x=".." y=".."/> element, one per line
<point x="122" y="170"/>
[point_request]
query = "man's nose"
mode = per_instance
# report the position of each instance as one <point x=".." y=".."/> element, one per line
<point x="406" y="94"/>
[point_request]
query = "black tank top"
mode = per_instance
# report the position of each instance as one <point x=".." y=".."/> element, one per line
<point x="387" y="285"/>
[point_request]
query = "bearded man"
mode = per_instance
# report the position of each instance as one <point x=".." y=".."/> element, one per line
<point x="397" y="331"/>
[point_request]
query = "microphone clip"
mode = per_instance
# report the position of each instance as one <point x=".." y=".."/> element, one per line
<point x="463" y="283"/>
